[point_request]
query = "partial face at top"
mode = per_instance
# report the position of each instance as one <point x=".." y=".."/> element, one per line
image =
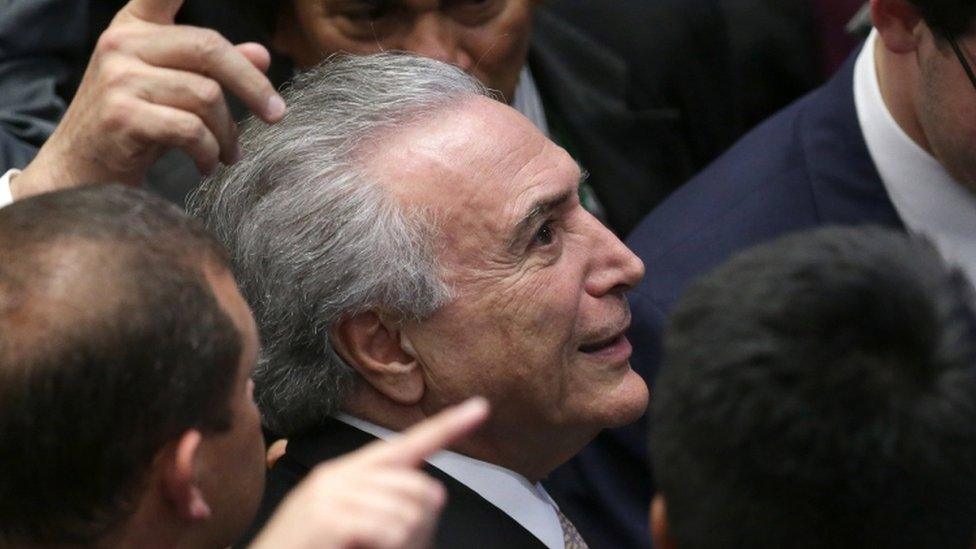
<point x="489" y="39"/>
<point x="539" y="317"/>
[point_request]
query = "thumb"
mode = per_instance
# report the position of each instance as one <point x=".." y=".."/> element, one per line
<point x="162" y="12"/>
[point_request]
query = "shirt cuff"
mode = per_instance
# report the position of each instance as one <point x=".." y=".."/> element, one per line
<point x="5" y="197"/>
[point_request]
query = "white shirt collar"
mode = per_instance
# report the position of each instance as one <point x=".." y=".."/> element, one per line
<point x="528" y="101"/>
<point x="928" y="200"/>
<point x="5" y="197"/>
<point x="526" y="503"/>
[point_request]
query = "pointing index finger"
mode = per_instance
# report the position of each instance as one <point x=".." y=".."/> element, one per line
<point x="153" y="11"/>
<point x="434" y="434"/>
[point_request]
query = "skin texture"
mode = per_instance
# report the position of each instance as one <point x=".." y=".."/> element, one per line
<point x="947" y="107"/>
<point x="926" y="88"/>
<point x="524" y="305"/>
<point x="232" y="463"/>
<point x="489" y="39"/>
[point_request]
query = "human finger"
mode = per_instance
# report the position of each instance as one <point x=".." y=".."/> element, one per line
<point x="153" y="11"/>
<point x="206" y="52"/>
<point x="257" y="54"/>
<point x="432" y="435"/>
<point x="174" y="128"/>
<point x="405" y="486"/>
<point x="275" y="451"/>
<point x="396" y="519"/>
<point x="367" y="529"/>
<point x="197" y="94"/>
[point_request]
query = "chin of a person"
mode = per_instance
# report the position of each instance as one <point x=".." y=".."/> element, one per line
<point x="633" y="400"/>
<point x="621" y="403"/>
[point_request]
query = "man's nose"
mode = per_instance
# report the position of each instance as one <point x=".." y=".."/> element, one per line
<point x="616" y="269"/>
<point x="433" y="35"/>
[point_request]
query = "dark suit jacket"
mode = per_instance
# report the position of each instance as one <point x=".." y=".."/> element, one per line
<point x="805" y="167"/>
<point x="468" y="520"/>
<point x="641" y="112"/>
<point x="41" y="43"/>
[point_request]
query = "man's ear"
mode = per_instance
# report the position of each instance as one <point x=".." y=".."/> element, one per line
<point x="898" y="23"/>
<point x="381" y="352"/>
<point x="660" y="531"/>
<point x="180" y="487"/>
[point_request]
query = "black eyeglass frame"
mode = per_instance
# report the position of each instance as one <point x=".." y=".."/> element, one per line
<point x="961" y="57"/>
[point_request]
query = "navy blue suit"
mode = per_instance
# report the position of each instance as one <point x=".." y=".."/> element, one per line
<point x="806" y="166"/>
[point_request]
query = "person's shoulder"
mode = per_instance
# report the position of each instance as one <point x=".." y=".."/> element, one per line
<point x="756" y="190"/>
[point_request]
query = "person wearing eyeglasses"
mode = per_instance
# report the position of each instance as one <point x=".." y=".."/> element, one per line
<point x="889" y="140"/>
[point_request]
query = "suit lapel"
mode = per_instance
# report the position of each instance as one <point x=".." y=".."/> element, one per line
<point x="847" y="188"/>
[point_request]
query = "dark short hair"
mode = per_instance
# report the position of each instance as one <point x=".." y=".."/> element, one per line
<point x="955" y="17"/>
<point x="819" y="391"/>
<point x="112" y="343"/>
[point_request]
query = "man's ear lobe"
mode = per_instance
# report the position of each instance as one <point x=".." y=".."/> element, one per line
<point x="180" y="487"/>
<point x="380" y="352"/>
<point x="898" y="23"/>
<point x="660" y="530"/>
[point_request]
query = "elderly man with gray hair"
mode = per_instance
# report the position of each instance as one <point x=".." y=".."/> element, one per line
<point x="406" y="241"/>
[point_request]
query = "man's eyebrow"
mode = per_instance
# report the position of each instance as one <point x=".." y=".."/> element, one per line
<point x="540" y="209"/>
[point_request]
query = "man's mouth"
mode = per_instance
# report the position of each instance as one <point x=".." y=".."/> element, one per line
<point x="612" y="344"/>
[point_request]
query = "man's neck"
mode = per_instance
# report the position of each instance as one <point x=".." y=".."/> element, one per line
<point x="149" y="527"/>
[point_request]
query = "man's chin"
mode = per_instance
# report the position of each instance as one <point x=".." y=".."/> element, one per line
<point x="630" y="402"/>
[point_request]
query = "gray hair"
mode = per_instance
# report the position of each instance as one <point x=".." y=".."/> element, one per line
<point x="314" y="237"/>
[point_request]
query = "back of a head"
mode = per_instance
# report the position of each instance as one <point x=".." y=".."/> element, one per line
<point x="314" y="234"/>
<point x="819" y="391"/>
<point x="111" y="344"/>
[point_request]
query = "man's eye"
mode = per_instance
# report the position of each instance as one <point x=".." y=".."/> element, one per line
<point x="545" y="235"/>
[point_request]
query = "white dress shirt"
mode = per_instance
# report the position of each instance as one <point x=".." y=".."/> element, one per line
<point x="928" y="200"/>
<point x="5" y="197"/>
<point x="526" y="503"/>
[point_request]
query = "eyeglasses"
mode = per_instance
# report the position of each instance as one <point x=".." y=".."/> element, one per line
<point x="962" y="58"/>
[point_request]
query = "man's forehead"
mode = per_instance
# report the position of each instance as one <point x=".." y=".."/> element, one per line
<point x="472" y="147"/>
<point x="481" y="164"/>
